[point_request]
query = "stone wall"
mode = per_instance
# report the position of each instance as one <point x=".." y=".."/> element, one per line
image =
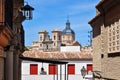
<point x="104" y="60"/>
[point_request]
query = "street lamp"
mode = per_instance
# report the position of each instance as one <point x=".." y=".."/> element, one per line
<point x="83" y="72"/>
<point x="27" y="11"/>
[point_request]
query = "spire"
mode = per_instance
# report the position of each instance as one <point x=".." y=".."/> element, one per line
<point x="68" y="23"/>
<point x="68" y="18"/>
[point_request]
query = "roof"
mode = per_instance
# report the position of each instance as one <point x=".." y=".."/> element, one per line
<point x="43" y="60"/>
<point x="43" y="31"/>
<point x="76" y="43"/>
<point x="57" y="55"/>
<point x="56" y="30"/>
<point x="68" y="30"/>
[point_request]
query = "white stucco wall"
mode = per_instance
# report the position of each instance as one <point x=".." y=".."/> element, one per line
<point x="77" y="76"/>
<point x="70" y="48"/>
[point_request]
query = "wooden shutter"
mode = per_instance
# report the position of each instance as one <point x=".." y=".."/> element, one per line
<point x="52" y="69"/>
<point x="33" y="69"/>
<point x="89" y="68"/>
<point x="71" y="69"/>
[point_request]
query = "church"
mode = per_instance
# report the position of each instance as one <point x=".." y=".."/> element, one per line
<point x="61" y="47"/>
<point x="59" y="38"/>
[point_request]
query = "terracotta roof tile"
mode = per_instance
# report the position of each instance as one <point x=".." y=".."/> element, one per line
<point x="57" y="55"/>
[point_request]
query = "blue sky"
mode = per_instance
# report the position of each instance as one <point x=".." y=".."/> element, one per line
<point x="52" y="14"/>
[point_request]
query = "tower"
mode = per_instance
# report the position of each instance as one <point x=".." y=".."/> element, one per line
<point x="44" y="41"/>
<point x="68" y="35"/>
<point x="56" y="38"/>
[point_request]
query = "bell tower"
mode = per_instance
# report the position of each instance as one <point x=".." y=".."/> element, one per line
<point x="56" y="38"/>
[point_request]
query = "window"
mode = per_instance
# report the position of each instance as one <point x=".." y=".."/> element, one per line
<point x="52" y="69"/>
<point x="46" y="46"/>
<point x="114" y="28"/>
<point x="54" y="44"/>
<point x="109" y="44"/>
<point x="109" y="49"/>
<point x="117" y="47"/>
<point x="113" y="48"/>
<point x="40" y="38"/>
<point x="113" y="37"/>
<point x="71" y="69"/>
<point x="40" y="45"/>
<point x="89" y="68"/>
<point x="54" y="37"/>
<point x="113" y="43"/>
<point x="117" y="36"/>
<point x="117" y="31"/>
<point x="33" y="69"/>
<point x="118" y="42"/>
<point x="59" y="37"/>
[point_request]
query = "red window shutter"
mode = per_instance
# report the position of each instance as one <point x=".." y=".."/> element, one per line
<point x="52" y="69"/>
<point x="89" y="68"/>
<point x="33" y="69"/>
<point x="71" y="69"/>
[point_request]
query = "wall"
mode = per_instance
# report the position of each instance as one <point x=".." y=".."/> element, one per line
<point x="77" y="76"/>
<point x="70" y="48"/>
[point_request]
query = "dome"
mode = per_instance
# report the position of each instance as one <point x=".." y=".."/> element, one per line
<point x="68" y="30"/>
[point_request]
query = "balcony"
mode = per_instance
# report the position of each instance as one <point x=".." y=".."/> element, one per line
<point x="5" y="34"/>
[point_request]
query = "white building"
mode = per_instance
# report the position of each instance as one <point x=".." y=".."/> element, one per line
<point x="70" y="49"/>
<point x="70" y="69"/>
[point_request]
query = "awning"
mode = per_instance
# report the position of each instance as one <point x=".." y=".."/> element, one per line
<point x="43" y="60"/>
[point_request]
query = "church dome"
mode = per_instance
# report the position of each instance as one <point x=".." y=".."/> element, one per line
<point x="68" y="30"/>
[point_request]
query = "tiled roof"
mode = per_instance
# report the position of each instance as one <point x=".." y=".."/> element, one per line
<point x="57" y="55"/>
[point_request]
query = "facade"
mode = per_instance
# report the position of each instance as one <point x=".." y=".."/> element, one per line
<point x="49" y="71"/>
<point x="59" y="38"/>
<point x="11" y="39"/>
<point x="106" y="40"/>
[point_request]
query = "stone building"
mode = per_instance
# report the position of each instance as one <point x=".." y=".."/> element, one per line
<point x="106" y="40"/>
<point x="59" y="38"/>
<point x="68" y="35"/>
<point x="11" y="39"/>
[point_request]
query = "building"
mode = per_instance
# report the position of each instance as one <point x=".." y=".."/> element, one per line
<point x="11" y="38"/>
<point x="69" y="68"/>
<point x="68" y="35"/>
<point x="106" y="40"/>
<point x="59" y="38"/>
